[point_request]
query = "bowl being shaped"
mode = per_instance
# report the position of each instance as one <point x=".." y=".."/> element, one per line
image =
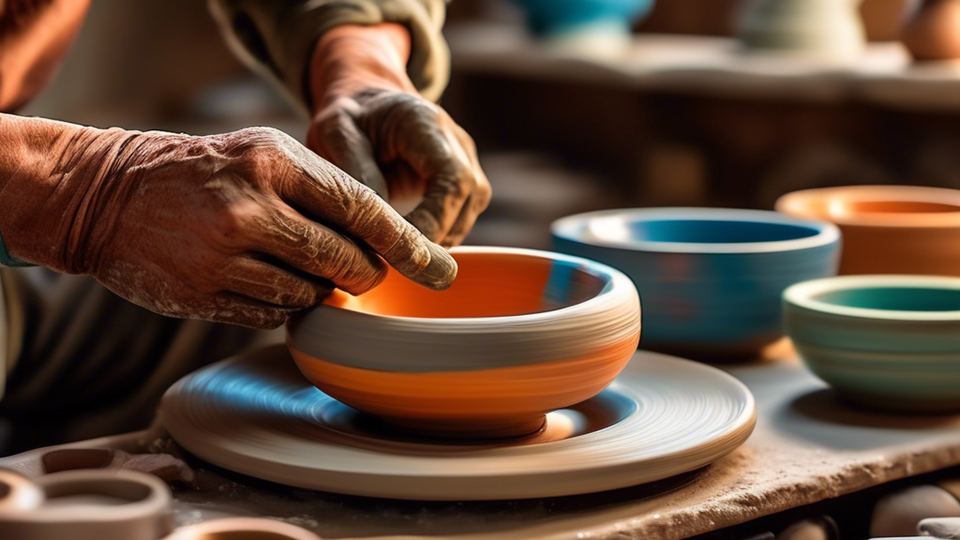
<point x="520" y="333"/>
<point x="886" y="341"/>
<point x="887" y="229"/>
<point x="566" y="16"/>
<point x="710" y="279"/>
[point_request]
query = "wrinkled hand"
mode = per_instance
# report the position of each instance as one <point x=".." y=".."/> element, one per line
<point x="372" y="123"/>
<point x="242" y="228"/>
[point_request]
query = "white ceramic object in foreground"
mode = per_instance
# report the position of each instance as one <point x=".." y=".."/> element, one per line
<point x="254" y="414"/>
<point x="887" y="341"/>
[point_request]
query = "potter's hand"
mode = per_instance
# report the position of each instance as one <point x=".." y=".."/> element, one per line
<point x="212" y="227"/>
<point x="371" y="122"/>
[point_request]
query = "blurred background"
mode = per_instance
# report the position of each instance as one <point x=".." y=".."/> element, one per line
<point x="704" y="103"/>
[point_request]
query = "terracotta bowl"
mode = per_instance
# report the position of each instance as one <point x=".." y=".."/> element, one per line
<point x="520" y="333"/>
<point x="710" y="278"/>
<point x="888" y="229"/>
<point x="891" y="342"/>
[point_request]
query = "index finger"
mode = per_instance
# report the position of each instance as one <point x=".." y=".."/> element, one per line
<point x="337" y="199"/>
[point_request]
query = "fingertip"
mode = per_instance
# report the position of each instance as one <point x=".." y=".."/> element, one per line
<point x="440" y="272"/>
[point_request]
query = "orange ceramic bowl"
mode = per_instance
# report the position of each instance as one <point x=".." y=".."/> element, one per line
<point x="888" y="229"/>
<point x="520" y="333"/>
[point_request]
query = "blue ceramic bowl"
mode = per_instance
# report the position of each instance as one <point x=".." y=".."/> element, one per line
<point x="551" y="17"/>
<point x="886" y="341"/>
<point x="711" y="280"/>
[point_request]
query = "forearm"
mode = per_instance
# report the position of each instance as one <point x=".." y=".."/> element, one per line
<point x="352" y="58"/>
<point x="279" y="36"/>
<point x="48" y="170"/>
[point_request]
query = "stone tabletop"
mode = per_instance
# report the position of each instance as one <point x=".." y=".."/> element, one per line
<point x="808" y="446"/>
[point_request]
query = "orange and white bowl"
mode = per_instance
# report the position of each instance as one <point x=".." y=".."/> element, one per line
<point x="520" y="333"/>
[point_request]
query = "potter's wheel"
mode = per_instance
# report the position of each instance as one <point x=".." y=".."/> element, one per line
<point x="255" y="414"/>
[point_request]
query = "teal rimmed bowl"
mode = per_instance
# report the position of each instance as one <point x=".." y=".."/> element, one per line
<point x="558" y="17"/>
<point x="711" y="279"/>
<point x="891" y="342"/>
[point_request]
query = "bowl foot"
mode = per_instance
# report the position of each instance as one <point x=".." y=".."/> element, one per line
<point x="714" y="355"/>
<point x="485" y="428"/>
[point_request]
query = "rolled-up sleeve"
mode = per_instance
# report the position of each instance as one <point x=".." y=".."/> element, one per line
<point x="276" y="37"/>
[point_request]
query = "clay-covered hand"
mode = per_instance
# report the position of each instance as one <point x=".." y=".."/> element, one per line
<point x="242" y="228"/>
<point x="371" y="122"/>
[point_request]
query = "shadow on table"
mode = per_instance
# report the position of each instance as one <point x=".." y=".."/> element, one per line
<point x="822" y="417"/>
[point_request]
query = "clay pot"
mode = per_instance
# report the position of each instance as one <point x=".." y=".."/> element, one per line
<point x="520" y="333"/>
<point x="934" y="31"/>
<point x="888" y="229"/>
<point x="823" y="29"/>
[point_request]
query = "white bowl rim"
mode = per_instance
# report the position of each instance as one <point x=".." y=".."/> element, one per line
<point x="617" y="282"/>
<point x="827" y="233"/>
<point x="793" y="204"/>
<point x="802" y="295"/>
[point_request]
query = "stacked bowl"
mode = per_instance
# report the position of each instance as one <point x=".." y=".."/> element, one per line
<point x="711" y="279"/>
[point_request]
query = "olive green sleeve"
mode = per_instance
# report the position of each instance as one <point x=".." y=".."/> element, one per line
<point x="276" y="37"/>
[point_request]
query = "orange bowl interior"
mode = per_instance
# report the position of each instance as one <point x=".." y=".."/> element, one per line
<point x="900" y="207"/>
<point x="487" y="285"/>
<point x="822" y="207"/>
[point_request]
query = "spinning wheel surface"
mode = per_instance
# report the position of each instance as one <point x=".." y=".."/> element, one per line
<point x="255" y="414"/>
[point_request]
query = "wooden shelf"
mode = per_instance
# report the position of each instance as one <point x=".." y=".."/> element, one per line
<point x="885" y="75"/>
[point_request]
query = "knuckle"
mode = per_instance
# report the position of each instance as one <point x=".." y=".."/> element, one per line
<point x="296" y="294"/>
<point x="230" y="224"/>
<point x="348" y="265"/>
<point x="484" y="194"/>
<point x="360" y="202"/>
<point x="269" y="319"/>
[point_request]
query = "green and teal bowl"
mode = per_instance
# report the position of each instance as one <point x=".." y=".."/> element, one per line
<point x="891" y="342"/>
<point x="710" y="278"/>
